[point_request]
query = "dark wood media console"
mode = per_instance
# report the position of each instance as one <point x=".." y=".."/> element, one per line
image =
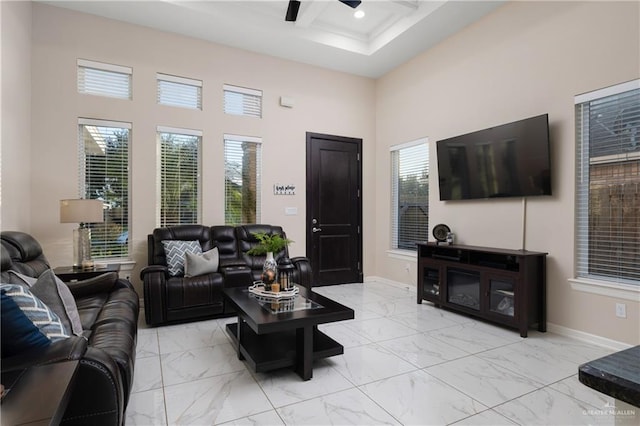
<point x="503" y="286"/>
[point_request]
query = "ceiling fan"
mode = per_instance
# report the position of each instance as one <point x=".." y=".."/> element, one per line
<point x="294" y="7"/>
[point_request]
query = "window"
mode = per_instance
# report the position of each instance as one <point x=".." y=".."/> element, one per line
<point x="104" y="175"/>
<point x="242" y="165"/>
<point x="178" y="176"/>
<point x="608" y="184"/>
<point x="97" y="78"/>
<point x="242" y="101"/>
<point x="409" y="194"/>
<point x="179" y="91"/>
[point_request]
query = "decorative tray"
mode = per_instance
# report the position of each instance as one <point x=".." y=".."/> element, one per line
<point x="258" y="290"/>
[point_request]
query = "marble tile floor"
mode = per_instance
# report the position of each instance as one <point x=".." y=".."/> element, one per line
<point x="404" y="364"/>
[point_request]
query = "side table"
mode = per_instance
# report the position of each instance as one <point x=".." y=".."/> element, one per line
<point x="37" y="395"/>
<point x="69" y="273"/>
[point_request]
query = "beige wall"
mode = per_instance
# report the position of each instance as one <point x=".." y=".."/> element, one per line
<point x="525" y="59"/>
<point x="325" y="102"/>
<point x="15" y="107"/>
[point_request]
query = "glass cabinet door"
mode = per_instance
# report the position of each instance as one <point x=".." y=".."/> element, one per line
<point x="501" y="294"/>
<point x="430" y="283"/>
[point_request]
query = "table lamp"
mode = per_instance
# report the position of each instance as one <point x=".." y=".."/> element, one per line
<point x="82" y="211"/>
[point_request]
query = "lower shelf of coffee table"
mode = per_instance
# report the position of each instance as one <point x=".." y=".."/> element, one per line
<point x="266" y="352"/>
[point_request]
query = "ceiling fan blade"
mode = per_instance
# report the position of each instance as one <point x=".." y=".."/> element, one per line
<point x="350" y="3"/>
<point x="292" y="11"/>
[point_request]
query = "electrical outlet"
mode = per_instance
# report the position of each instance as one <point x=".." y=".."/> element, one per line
<point x="621" y="310"/>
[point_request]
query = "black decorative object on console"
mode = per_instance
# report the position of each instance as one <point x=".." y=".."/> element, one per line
<point x="440" y="232"/>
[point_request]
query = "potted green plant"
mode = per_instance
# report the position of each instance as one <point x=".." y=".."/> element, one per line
<point x="269" y="244"/>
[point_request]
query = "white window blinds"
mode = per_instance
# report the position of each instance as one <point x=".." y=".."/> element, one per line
<point x="178" y="176"/>
<point x="104" y="175"/>
<point x="242" y="101"/>
<point x="242" y="181"/>
<point x="608" y="184"/>
<point x="179" y="91"/>
<point x="97" y="78"/>
<point x="409" y="194"/>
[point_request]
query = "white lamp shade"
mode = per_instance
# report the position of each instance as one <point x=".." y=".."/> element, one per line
<point x="81" y="211"/>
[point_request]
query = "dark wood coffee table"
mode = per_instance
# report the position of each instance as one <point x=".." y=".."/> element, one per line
<point x="271" y="336"/>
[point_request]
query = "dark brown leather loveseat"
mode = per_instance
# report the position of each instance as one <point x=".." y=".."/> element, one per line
<point x="108" y="308"/>
<point x="170" y="299"/>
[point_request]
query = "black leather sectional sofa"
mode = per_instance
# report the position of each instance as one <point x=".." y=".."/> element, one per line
<point x="108" y="308"/>
<point x="171" y="299"/>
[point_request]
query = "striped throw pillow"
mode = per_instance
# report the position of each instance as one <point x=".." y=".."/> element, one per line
<point x="175" y="250"/>
<point x="44" y="318"/>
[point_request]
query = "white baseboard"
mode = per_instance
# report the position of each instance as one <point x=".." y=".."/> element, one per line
<point x="389" y="282"/>
<point x="587" y="337"/>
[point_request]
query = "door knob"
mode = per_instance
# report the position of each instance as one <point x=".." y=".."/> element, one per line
<point x="314" y="229"/>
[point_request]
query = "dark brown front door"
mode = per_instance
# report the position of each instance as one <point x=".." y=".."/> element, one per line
<point x="334" y="209"/>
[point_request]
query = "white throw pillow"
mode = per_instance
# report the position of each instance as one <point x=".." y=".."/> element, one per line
<point x="200" y="264"/>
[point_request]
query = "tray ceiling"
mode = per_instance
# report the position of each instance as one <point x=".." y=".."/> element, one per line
<point x="325" y="34"/>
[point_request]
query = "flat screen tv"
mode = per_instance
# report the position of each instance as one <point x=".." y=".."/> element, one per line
<point x="511" y="160"/>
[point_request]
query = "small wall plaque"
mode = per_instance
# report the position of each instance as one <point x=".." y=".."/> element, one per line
<point x="279" y="189"/>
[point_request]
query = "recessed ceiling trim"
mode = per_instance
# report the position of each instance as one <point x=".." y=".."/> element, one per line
<point x="327" y="38"/>
<point x="399" y="7"/>
<point x="363" y="38"/>
<point x="310" y="12"/>
<point x="403" y="25"/>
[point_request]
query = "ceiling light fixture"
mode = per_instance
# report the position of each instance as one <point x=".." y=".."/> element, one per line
<point x="351" y="3"/>
<point x="294" y="7"/>
<point x="358" y="14"/>
<point x="292" y="11"/>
